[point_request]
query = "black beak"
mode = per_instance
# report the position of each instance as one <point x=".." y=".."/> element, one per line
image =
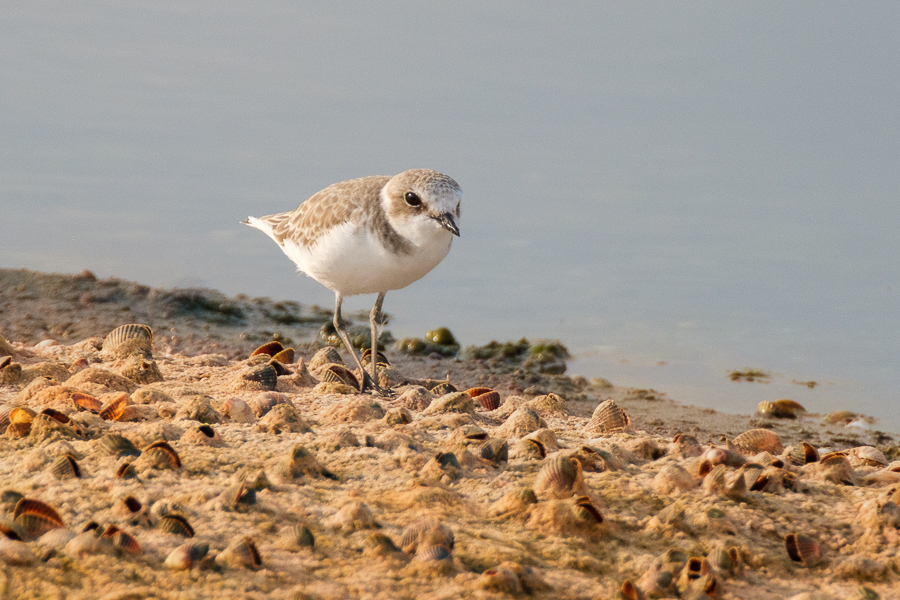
<point x="446" y="221"/>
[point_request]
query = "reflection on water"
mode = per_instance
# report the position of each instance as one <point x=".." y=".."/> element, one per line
<point x="713" y="189"/>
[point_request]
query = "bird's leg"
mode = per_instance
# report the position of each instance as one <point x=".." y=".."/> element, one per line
<point x="367" y="382"/>
<point x="375" y="323"/>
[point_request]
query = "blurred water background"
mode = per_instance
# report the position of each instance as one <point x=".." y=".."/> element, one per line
<point x="673" y="190"/>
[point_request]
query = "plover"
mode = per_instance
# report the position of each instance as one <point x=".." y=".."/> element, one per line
<point x="369" y="236"/>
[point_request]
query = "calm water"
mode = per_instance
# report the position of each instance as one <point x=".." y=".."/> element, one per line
<point x="710" y="187"/>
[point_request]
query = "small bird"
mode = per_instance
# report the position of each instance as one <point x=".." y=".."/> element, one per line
<point x="369" y="236"/>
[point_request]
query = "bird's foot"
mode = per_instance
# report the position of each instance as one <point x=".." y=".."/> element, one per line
<point x="369" y="385"/>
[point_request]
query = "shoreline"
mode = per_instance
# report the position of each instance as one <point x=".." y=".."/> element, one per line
<point x="376" y="467"/>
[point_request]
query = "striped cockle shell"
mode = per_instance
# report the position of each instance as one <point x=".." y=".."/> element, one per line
<point x="803" y="550"/>
<point x="836" y="468"/>
<point x="126" y="340"/>
<point x="528" y="448"/>
<point x="723" y="456"/>
<point x="186" y="556"/>
<point x="160" y="455"/>
<point x="725" y="562"/>
<point x="432" y="553"/>
<point x="800" y="454"/>
<point x="585" y="511"/>
<point x="117" y="445"/>
<point x="65" y="467"/>
<point x="468" y="433"/>
<point x="268" y="349"/>
<point x="132" y="509"/>
<point x="496" y="451"/>
<point x="113" y="410"/>
<point x="609" y="417"/>
<point x="4" y="415"/>
<point x="486" y="397"/>
<point x="868" y="456"/>
<point x="755" y="441"/>
<point x="780" y="409"/>
<point x="279" y="367"/>
<point x="56" y="539"/>
<point x="126" y="470"/>
<point x="261" y="376"/>
<point x="560" y="477"/>
<point x="125" y="543"/>
<point x="325" y="356"/>
<point x="339" y="374"/>
<point x="35" y="517"/>
<point x="86" y="402"/>
<point x="285" y="357"/>
<point x="444" y="388"/>
<point x="426" y="532"/>
<point x="367" y="356"/>
<point x="241" y="552"/>
<point x="176" y="525"/>
<point x="11" y="530"/>
<point x="295" y="537"/>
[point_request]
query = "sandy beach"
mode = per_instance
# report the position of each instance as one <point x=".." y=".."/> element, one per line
<point x="168" y="461"/>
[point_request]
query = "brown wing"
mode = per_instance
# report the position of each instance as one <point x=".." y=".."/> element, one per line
<point x="329" y="208"/>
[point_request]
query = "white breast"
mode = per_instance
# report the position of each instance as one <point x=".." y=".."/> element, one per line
<point x="349" y="260"/>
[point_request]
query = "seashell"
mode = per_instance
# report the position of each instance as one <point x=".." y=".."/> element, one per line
<point x="836" y="468"/>
<point x="671" y="478"/>
<point x="132" y="509"/>
<point x="467" y="433"/>
<point x="803" y="550"/>
<point x="367" y="356"/>
<point x="186" y="556"/>
<point x="528" y="448"/>
<point x="521" y="422"/>
<point x="325" y="356"/>
<point x="496" y="451"/>
<point x="432" y="553"/>
<point x="87" y="402"/>
<point x="16" y="553"/>
<point x="4" y="415"/>
<point x="590" y="460"/>
<point x="162" y="456"/>
<point x="444" y="388"/>
<point x="17" y="431"/>
<point x="685" y="446"/>
<point x="78" y="365"/>
<point x="285" y="357"/>
<point x="780" y="409"/>
<point x="629" y="591"/>
<point x="126" y="471"/>
<point x="65" y="467"/>
<point x="609" y="417"/>
<point x="398" y="416"/>
<point x="269" y="349"/>
<point x="280" y="369"/>
<point x="12" y="531"/>
<point x="241" y="552"/>
<point x="559" y="477"/>
<point x="585" y="510"/>
<point x="21" y="414"/>
<point x="126" y="340"/>
<point x="723" y="456"/>
<point x="56" y="539"/>
<point x="262" y="376"/>
<point x="176" y="525"/>
<point x="116" y="445"/>
<point x="236" y="495"/>
<point x="238" y="410"/>
<point x="87" y="544"/>
<point x="800" y="454"/>
<point x="125" y="542"/>
<point x="60" y="417"/>
<point x="869" y="456"/>
<point x="9" y="499"/>
<point x="295" y="537"/>
<point x="339" y="374"/>
<point x="658" y="581"/>
<point x="426" y="532"/>
<point x="112" y="410"/>
<point x="35" y="517"/>
<point x="5" y="362"/>
<point x="487" y="397"/>
<point x="694" y="569"/>
<point x="203" y="435"/>
<point x="756" y="441"/>
<point x="10" y="373"/>
<point x="379" y="544"/>
<point x="726" y="563"/>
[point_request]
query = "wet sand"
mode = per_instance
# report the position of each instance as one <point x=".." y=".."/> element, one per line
<point x="404" y="497"/>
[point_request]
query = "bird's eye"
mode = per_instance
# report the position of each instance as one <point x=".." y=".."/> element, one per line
<point x="413" y="199"/>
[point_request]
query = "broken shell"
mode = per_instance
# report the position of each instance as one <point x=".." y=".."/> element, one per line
<point x="35" y="517"/>
<point x="114" y="444"/>
<point x="18" y="430"/>
<point x="755" y="441"/>
<point x="496" y="451"/>
<point x="87" y="402"/>
<point x="685" y="446"/>
<point x="113" y="409"/>
<point x="609" y="417"/>
<point x="560" y="477"/>
<point x="161" y="456"/>
<point x="269" y="349"/>
<point x="125" y="340"/>
<point x="803" y="550"/>
<point x="176" y="525"/>
<point x="186" y="556"/>
<point x="65" y="467"/>
<point x="21" y="414"/>
<point x="296" y="536"/>
<point x="242" y="552"/>
<point x="629" y="591"/>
